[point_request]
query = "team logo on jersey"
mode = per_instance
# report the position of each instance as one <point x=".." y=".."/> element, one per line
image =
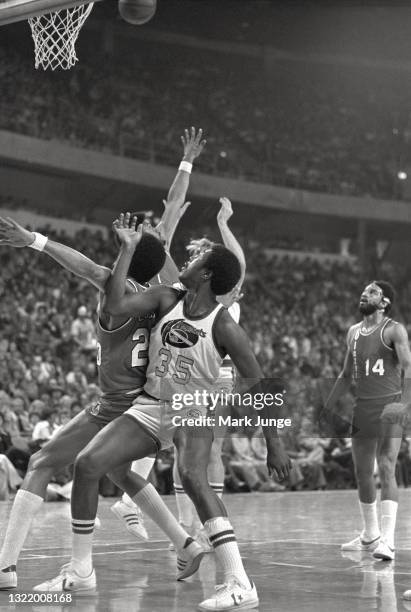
<point x="180" y="334"/>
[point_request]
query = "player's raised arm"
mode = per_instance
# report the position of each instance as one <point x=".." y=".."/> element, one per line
<point x="13" y="234"/>
<point x="230" y="241"/>
<point x="175" y="205"/>
<point x="233" y="340"/>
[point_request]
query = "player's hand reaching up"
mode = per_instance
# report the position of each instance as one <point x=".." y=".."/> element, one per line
<point x="127" y="230"/>
<point x="278" y="462"/>
<point x="193" y="144"/>
<point x="225" y="211"/>
<point x="13" y="234"/>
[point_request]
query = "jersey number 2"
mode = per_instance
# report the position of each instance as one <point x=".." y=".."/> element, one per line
<point x="139" y="354"/>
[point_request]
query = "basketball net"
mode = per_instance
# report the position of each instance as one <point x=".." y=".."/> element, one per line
<point x="55" y="35"/>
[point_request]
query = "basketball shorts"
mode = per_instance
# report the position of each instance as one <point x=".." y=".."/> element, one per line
<point x="366" y="421"/>
<point x="106" y="410"/>
<point x="161" y="421"/>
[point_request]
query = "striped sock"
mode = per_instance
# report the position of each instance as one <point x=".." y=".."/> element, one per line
<point x="218" y="488"/>
<point x="185" y="507"/>
<point x="81" y="556"/>
<point x="221" y="535"/>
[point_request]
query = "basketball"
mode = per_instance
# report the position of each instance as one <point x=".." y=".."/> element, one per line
<point x="137" y="12"/>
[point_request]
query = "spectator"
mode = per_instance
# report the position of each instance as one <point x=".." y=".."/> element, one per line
<point x="82" y="330"/>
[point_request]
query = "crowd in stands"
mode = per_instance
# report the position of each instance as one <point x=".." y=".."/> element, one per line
<point x="335" y="129"/>
<point x="296" y="313"/>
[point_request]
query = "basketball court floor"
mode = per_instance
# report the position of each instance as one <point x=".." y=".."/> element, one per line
<point x="289" y="541"/>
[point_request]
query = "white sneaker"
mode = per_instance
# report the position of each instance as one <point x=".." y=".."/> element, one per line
<point x="68" y="580"/>
<point x="189" y="559"/>
<point x="8" y="578"/>
<point x="231" y="596"/>
<point x="384" y="551"/>
<point x="132" y="518"/>
<point x="360" y="545"/>
<point x="202" y="538"/>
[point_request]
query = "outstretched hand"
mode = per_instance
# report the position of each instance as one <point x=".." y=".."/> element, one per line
<point x="225" y="211"/>
<point x="13" y="234"/>
<point x="127" y="230"/>
<point x="192" y="144"/>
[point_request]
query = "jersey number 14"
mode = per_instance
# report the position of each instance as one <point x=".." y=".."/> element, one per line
<point x="377" y="368"/>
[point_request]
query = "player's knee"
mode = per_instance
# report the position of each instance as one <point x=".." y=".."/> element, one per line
<point x="88" y="465"/>
<point x="386" y="466"/>
<point x="364" y="473"/>
<point x="42" y="460"/>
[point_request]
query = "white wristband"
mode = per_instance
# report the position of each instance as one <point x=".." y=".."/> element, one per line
<point x="39" y="242"/>
<point x="186" y="166"/>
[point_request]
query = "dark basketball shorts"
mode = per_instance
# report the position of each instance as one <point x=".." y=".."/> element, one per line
<point x="104" y="411"/>
<point x="366" y="420"/>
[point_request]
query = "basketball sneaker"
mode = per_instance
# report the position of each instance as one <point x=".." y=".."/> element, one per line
<point x="384" y="551"/>
<point x="189" y="559"/>
<point x="8" y="578"/>
<point x="201" y="537"/>
<point x="69" y="580"/>
<point x="231" y="596"/>
<point x="361" y="545"/>
<point x="132" y="518"/>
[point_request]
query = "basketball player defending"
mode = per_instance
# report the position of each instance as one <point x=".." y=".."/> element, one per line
<point x="119" y="341"/>
<point x="174" y="365"/>
<point x="377" y="353"/>
<point x="187" y="514"/>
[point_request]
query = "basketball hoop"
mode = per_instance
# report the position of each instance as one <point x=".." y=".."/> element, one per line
<point x="55" y="35"/>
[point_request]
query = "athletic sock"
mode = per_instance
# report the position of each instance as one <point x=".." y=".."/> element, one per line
<point x="218" y="488"/>
<point x="388" y="519"/>
<point x="151" y="504"/>
<point x="25" y="506"/>
<point x="221" y="535"/>
<point x="142" y="467"/>
<point x="81" y="556"/>
<point x="370" y="521"/>
<point x="185" y="507"/>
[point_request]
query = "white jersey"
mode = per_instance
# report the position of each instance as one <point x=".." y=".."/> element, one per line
<point x="183" y="357"/>
<point x="227" y="368"/>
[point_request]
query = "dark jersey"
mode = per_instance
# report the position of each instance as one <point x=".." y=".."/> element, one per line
<point x="376" y="370"/>
<point x="122" y="358"/>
